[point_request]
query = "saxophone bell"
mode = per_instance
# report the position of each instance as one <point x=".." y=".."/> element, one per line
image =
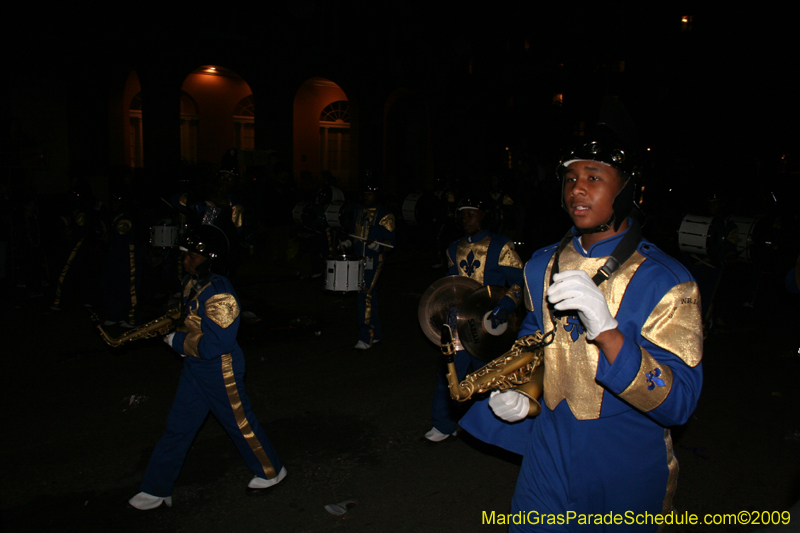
<point x="521" y="368"/>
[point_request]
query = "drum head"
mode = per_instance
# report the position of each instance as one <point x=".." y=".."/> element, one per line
<point x="340" y="215"/>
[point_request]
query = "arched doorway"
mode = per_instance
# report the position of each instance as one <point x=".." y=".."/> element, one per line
<point x="322" y="135"/>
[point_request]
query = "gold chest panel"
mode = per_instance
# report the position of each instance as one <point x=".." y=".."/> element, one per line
<point x="571" y="366"/>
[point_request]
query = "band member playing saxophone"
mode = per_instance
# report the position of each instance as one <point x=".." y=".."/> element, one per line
<point x="622" y="363"/>
<point x="212" y="376"/>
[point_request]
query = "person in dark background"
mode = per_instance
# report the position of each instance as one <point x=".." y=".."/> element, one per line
<point x="622" y="356"/>
<point x="122" y="271"/>
<point x="31" y="259"/>
<point x="491" y="260"/>
<point x="375" y="228"/>
<point x="212" y="379"/>
<point x="82" y="232"/>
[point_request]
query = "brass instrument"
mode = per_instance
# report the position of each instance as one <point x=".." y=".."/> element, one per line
<point x="154" y="328"/>
<point x="521" y="368"/>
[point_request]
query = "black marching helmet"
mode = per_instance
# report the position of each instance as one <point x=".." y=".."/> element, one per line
<point x="212" y="243"/>
<point x="474" y="201"/>
<point x="604" y="145"/>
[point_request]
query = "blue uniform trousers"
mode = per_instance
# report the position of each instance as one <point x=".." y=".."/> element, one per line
<point x="369" y="319"/>
<point x="202" y="388"/>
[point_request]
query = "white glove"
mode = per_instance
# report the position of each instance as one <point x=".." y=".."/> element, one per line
<point x="168" y="340"/>
<point x="575" y="290"/>
<point x="510" y="405"/>
<point x="374" y="246"/>
<point x="347" y="243"/>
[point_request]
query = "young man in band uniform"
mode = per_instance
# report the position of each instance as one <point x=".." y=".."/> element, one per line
<point x="491" y="260"/>
<point x="212" y="379"/>
<point x="623" y="365"/>
<point x="375" y="227"/>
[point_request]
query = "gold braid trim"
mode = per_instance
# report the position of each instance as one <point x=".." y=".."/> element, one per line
<point x="241" y="420"/>
<point x="388" y="222"/>
<point x="222" y="309"/>
<point x="637" y="393"/>
<point x="676" y="323"/>
<point x="509" y="257"/>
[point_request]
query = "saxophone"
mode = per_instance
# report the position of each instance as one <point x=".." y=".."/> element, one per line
<point x="154" y="328"/>
<point x="521" y="368"/>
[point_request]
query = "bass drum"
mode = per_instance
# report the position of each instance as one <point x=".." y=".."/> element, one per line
<point x="344" y="273"/>
<point x="754" y="240"/>
<point x="422" y="209"/>
<point x="308" y="216"/>
<point x="340" y="215"/>
<point x="693" y="234"/>
<point x="164" y="236"/>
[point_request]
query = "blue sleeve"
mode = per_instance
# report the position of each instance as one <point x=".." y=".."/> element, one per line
<point x="658" y="370"/>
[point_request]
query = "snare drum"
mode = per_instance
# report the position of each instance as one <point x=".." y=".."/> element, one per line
<point x="164" y="236"/>
<point x="344" y="273"/>
<point x="693" y="234"/>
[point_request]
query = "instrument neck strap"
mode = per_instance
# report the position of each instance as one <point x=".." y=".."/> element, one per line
<point x="197" y="285"/>
<point x="622" y="252"/>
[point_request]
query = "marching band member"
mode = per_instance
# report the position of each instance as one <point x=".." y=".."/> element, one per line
<point x="212" y="376"/>
<point x="374" y="227"/>
<point x="491" y="260"/>
<point x="624" y="364"/>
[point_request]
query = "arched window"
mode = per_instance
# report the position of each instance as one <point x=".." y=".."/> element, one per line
<point x="189" y="122"/>
<point x="244" y="123"/>
<point x="334" y="131"/>
<point x="135" y="141"/>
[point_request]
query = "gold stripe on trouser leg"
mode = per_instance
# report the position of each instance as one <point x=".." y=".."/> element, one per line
<point x="132" y="312"/>
<point x="64" y="271"/>
<point x="241" y="420"/>
<point x="672" y="480"/>
<point x="368" y="305"/>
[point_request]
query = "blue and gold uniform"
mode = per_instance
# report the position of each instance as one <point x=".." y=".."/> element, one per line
<point x="373" y="223"/>
<point x="489" y="259"/>
<point x="211" y="381"/>
<point x="601" y="442"/>
<point x="122" y="272"/>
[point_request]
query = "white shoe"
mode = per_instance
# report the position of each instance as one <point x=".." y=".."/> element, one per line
<point x="110" y="323"/>
<point x="258" y="483"/>
<point x="434" y="435"/>
<point x="124" y="324"/>
<point x="361" y="345"/>
<point x="145" y="502"/>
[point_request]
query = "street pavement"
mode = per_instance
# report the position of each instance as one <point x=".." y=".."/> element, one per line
<point x="81" y="419"/>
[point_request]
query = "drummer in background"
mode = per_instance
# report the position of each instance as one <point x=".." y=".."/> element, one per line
<point x="374" y="229"/>
<point x="491" y="260"/>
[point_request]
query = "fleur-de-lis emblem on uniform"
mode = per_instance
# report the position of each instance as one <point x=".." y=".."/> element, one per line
<point x="574" y="326"/>
<point x="470" y="264"/>
<point x="653" y="379"/>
